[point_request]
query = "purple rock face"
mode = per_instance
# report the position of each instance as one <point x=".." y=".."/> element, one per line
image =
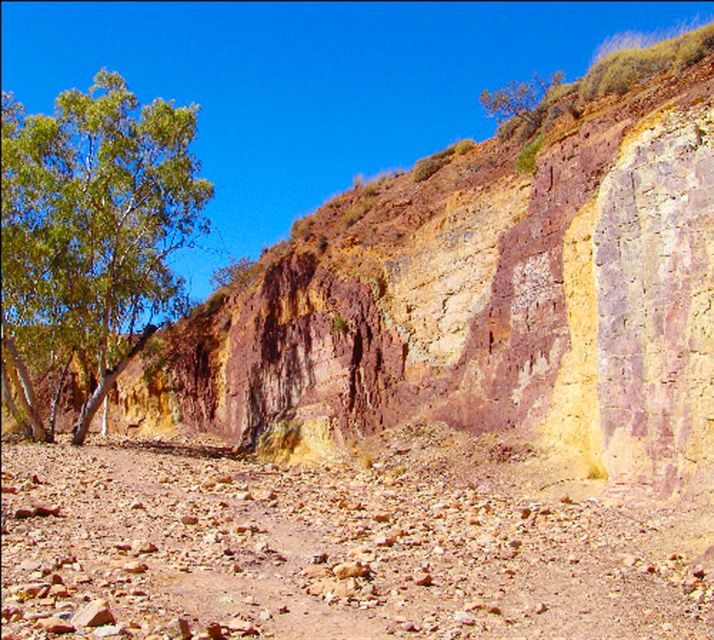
<point x="317" y="335"/>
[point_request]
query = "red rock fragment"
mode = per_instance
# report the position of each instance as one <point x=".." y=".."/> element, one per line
<point x="24" y="512"/>
<point x="55" y="625"/>
<point x="43" y="511"/>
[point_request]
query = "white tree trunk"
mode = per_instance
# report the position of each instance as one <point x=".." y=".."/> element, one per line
<point x="12" y="407"/>
<point x="19" y="375"/>
<point x="105" y="413"/>
<point x="89" y="410"/>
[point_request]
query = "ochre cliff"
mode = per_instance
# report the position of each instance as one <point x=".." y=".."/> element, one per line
<point x="575" y="305"/>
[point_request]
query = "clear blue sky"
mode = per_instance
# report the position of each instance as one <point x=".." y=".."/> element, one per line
<point x="298" y="98"/>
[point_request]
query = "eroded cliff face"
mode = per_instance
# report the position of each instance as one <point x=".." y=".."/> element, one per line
<point x="575" y="305"/>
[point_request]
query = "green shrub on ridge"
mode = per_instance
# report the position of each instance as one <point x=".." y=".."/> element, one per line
<point x="526" y="161"/>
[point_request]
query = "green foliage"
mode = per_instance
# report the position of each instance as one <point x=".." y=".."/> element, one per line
<point x="464" y="146"/>
<point x="427" y="167"/>
<point x="618" y="71"/>
<point x="526" y="161"/>
<point x="340" y="325"/>
<point x="95" y="200"/>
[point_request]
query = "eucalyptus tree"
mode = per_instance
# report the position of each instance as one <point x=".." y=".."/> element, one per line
<point x="99" y="197"/>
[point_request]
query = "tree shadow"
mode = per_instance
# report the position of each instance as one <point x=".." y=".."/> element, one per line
<point x="197" y="451"/>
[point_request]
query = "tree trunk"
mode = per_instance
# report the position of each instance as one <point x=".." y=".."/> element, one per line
<point x="105" y="415"/>
<point x="90" y="407"/>
<point x="12" y="407"/>
<point x="21" y="379"/>
<point x="55" y="402"/>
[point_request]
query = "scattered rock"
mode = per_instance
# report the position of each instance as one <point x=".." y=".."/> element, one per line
<point x="464" y="618"/>
<point x="422" y="579"/>
<point x="135" y="567"/>
<point x="346" y="570"/>
<point x="179" y="629"/>
<point x="94" y="614"/>
<point x="143" y="547"/>
<point x="55" y="625"/>
<point x="44" y="511"/>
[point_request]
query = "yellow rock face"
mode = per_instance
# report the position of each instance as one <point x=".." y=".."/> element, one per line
<point x="147" y="409"/>
<point x="634" y="396"/>
<point x="573" y="421"/>
<point x="299" y="441"/>
<point x="438" y="284"/>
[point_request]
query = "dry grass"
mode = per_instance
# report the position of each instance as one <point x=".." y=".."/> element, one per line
<point x="618" y="71"/>
<point x="427" y="167"/>
<point x="358" y="210"/>
<point x="464" y="146"/>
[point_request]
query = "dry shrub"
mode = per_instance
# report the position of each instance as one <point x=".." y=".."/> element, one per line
<point x="302" y="228"/>
<point x="509" y="129"/>
<point x="427" y="167"/>
<point x="464" y="146"/>
<point x="365" y="460"/>
<point x="358" y="210"/>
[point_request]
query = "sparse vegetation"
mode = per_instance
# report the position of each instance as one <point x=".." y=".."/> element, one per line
<point x="519" y="99"/>
<point x="464" y="146"/>
<point x="427" y="167"/>
<point x="358" y="210"/>
<point x="302" y="228"/>
<point x="214" y="302"/>
<point x="340" y="325"/>
<point x="237" y="275"/>
<point x="507" y="129"/>
<point x="559" y="91"/>
<point x="526" y="161"/>
<point x="372" y="188"/>
<point x="618" y="71"/>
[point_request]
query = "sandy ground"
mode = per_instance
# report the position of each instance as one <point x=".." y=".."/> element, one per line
<point x="426" y="534"/>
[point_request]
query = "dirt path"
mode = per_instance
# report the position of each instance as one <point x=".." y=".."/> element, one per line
<point x="424" y="541"/>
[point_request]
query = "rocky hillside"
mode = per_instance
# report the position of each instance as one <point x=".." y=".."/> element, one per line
<point x="572" y="306"/>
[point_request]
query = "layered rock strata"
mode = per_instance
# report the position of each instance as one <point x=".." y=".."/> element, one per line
<point x="575" y="305"/>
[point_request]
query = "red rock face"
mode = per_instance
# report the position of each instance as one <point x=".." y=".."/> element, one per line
<point x="286" y="353"/>
<point x="316" y="339"/>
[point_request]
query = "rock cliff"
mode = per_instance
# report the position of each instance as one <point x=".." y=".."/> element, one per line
<point x="574" y="305"/>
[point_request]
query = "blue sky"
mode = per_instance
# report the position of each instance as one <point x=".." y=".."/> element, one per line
<point x="299" y="98"/>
